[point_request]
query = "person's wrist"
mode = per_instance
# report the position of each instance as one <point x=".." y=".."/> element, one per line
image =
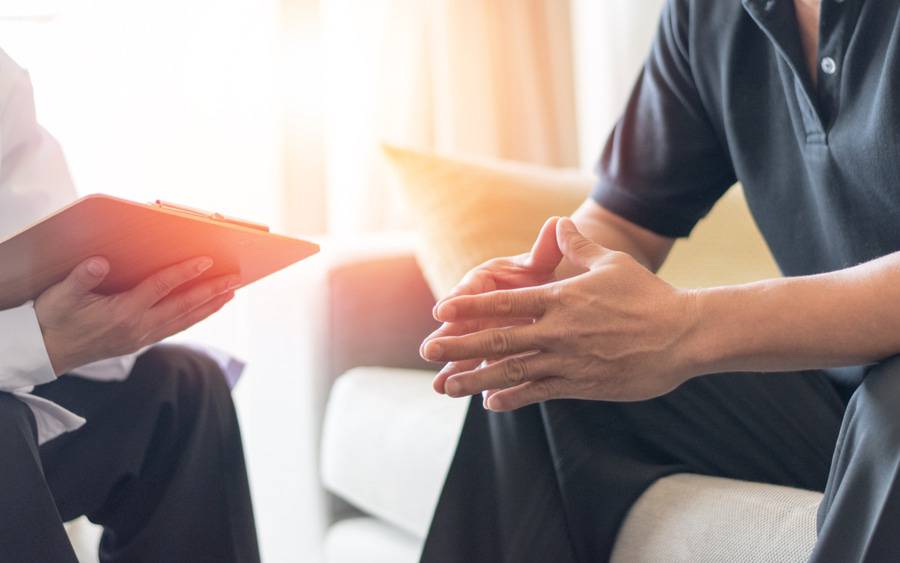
<point x="56" y="353"/>
<point x="708" y="342"/>
<point x="64" y="355"/>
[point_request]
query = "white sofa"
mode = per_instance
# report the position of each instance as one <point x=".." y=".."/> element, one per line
<point x="387" y="441"/>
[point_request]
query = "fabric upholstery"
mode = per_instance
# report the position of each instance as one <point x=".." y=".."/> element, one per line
<point x="379" y="310"/>
<point x="697" y="519"/>
<point x="387" y="443"/>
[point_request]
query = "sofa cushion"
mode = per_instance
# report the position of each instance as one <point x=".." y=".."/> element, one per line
<point x="468" y="209"/>
<point x="697" y="519"/>
<point x="387" y="443"/>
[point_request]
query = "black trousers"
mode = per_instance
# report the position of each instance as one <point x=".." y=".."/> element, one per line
<point x="553" y="482"/>
<point x="159" y="464"/>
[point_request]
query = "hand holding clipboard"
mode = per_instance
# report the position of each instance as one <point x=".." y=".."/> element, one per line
<point x="132" y="273"/>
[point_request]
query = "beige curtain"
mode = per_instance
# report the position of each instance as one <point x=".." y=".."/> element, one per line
<point x="611" y="39"/>
<point x="486" y="77"/>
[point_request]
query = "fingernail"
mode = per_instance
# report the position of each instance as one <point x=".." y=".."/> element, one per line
<point x="453" y="387"/>
<point x="96" y="268"/>
<point x="446" y="312"/>
<point x="432" y="351"/>
<point x="422" y="348"/>
<point x="204" y="264"/>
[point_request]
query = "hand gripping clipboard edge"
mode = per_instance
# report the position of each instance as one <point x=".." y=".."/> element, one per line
<point x="138" y="239"/>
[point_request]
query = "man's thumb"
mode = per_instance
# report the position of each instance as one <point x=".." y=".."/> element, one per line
<point x="545" y="254"/>
<point x="578" y="249"/>
<point x="87" y="275"/>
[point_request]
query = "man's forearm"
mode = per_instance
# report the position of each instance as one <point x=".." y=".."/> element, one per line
<point x="847" y="317"/>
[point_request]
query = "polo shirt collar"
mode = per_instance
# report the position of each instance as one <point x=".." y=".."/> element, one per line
<point x="777" y="19"/>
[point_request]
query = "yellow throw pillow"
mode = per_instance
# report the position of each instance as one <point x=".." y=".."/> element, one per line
<point x="468" y="210"/>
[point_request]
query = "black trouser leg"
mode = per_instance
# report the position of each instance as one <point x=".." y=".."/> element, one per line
<point x="159" y="463"/>
<point x="859" y="518"/>
<point x="553" y="482"/>
<point x="30" y="525"/>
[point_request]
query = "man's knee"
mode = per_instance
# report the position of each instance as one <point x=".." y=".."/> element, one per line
<point x="877" y="400"/>
<point x="183" y="365"/>
<point x="188" y="379"/>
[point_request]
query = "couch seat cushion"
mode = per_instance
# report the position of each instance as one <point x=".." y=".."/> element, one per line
<point x="387" y="443"/>
<point x="698" y="519"/>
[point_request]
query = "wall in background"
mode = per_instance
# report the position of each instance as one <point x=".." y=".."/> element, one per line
<point x="165" y="99"/>
<point x="611" y="39"/>
<point x="484" y="77"/>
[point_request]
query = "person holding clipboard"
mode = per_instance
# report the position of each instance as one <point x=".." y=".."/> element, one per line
<point x="149" y="447"/>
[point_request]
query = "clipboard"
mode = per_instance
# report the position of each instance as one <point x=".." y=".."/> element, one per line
<point x="138" y="240"/>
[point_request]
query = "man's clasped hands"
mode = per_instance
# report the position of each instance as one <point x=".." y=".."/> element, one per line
<point x="519" y="332"/>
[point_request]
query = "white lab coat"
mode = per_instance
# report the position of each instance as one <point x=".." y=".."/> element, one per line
<point x="34" y="181"/>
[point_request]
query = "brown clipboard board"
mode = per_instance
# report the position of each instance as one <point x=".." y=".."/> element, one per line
<point x="138" y="239"/>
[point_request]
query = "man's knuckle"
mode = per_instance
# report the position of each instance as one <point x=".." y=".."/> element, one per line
<point x="582" y="244"/>
<point x="125" y="318"/>
<point x="554" y="334"/>
<point x="515" y="371"/>
<point x="498" y="342"/>
<point x="545" y="298"/>
<point x="161" y="286"/>
<point x="503" y="304"/>
<point x="183" y="305"/>
<point x="617" y="257"/>
<point x="554" y="294"/>
<point x="548" y="389"/>
<point x="565" y="295"/>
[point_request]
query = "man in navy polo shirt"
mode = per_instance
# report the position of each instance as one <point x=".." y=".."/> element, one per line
<point x="787" y="381"/>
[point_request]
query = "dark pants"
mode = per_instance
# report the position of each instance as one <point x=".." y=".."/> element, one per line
<point x="553" y="482"/>
<point x="159" y="465"/>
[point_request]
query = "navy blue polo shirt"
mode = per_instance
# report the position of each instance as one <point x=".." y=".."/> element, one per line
<point x="725" y="95"/>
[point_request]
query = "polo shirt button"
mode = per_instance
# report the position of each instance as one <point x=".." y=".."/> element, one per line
<point x="828" y="65"/>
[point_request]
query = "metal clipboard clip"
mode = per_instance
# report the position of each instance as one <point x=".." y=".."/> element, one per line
<point x="210" y="215"/>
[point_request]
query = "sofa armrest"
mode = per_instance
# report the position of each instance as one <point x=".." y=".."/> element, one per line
<point x="371" y="307"/>
<point x="354" y="304"/>
<point x="379" y="310"/>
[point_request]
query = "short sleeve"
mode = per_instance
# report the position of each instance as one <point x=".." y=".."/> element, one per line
<point x="663" y="166"/>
